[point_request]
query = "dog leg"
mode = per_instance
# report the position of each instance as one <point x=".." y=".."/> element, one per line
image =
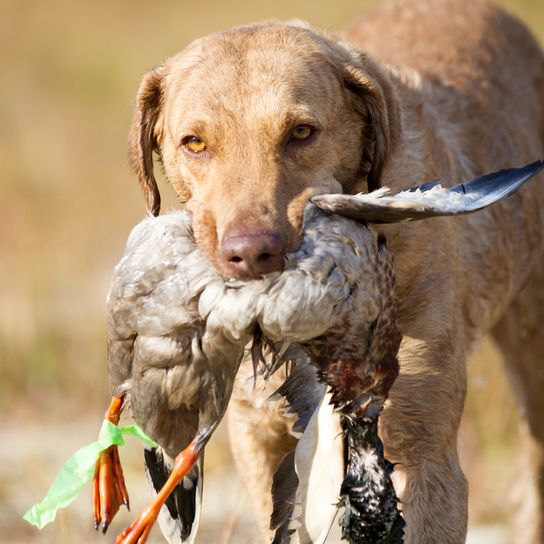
<point x="520" y="335"/>
<point x="259" y="437"/>
<point x="419" y="429"/>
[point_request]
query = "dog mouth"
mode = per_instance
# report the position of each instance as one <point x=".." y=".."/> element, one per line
<point x="254" y="244"/>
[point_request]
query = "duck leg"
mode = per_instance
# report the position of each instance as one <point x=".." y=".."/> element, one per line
<point x="138" y="532"/>
<point x="109" y="491"/>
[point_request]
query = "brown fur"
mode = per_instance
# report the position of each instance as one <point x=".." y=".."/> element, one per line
<point x="449" y="88"/>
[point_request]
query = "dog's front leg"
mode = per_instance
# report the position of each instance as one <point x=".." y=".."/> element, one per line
<point x="260" y="437"/>
<point x="520" y="336"/>
<point x="419" y="428"/>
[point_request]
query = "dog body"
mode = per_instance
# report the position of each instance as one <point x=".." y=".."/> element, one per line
<point x="444" y="88"/>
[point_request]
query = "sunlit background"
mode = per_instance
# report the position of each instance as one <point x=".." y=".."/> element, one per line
<point x="69" y="73"/>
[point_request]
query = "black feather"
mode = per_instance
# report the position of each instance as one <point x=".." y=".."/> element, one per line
<point x="367" y="495"/>
<point x="425" y="186"/>
<point x="476" y="194"/>
<point x="181" y="503"/>
<point x="300" y="389"/>
<point x="302" y="393"/>
<point x="284" y="491"/>
<point x="498" y="185"/>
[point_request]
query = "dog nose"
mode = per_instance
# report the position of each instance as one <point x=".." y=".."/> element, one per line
<point x="250" y="255"/>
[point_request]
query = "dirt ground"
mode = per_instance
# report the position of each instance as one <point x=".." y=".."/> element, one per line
<point x="41" y="448"/>
<point x="41" y="436"/>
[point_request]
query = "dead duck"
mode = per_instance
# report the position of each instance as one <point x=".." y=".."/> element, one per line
<point x="357" y="360"/>
<point x="162" y="358"/>
<point x="177" y="333"/>
<point x="360" y="379"/>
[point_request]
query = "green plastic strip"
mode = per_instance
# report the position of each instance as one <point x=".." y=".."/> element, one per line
<point x="78" y="471"/>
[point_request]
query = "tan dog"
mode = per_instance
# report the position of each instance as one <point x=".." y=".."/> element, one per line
<point x="250" y="123"/>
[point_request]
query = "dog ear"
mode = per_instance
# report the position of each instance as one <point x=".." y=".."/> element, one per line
<point x="376" y="101"/>
<point x="429" y="199"/>
<point x="144" y="136"/>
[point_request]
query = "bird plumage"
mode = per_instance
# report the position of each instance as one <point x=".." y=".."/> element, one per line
<point x="177" y="330"/>
<point x="180" y="515"/>
<point x="177" y="381"/>
<point x="367" y="495"/>
<point x="177" y="333"/>
<point x="429" y="199"/>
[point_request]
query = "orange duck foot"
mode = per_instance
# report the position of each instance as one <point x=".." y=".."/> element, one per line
<point x="109" y="491"/>
<point x="138" y="532"/>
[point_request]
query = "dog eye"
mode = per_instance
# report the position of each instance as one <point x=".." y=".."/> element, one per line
<point x="301" y="132"/>
<point x="194" y="144"/>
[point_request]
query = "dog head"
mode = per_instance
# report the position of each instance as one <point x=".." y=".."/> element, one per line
<point x="251" y="123"/>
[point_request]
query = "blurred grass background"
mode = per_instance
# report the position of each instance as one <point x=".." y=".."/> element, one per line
<point x="70" y="71"/>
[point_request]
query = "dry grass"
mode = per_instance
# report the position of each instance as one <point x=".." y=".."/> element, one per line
<point x="70" y="71"/>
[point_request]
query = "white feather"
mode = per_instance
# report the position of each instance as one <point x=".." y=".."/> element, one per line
<point x="319" y="463"/>
<point x="436" y="197"/>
